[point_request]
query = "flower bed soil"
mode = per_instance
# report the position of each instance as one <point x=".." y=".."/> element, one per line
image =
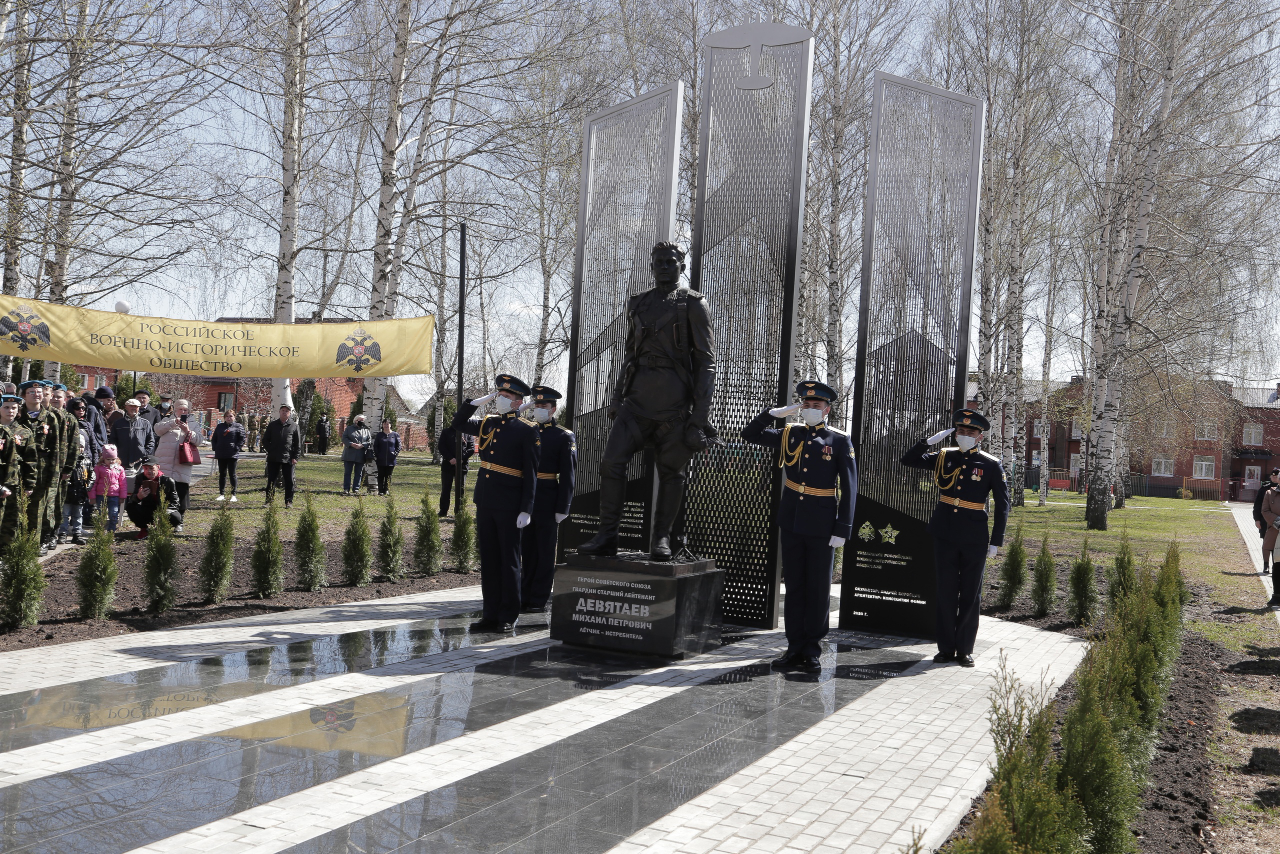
<point x="60" y="621"/>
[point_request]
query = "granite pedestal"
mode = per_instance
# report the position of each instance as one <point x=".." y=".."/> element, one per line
<point x="632" y="604"/>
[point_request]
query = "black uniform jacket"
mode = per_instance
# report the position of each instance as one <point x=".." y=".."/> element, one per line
<point x="557" y="469"/>
<point x="1257" y="499"/>
<point x="813" y="458"/>
<point x="508" y="454"/>
<point x="447" y="446"/>
<point x="967" y="477"/>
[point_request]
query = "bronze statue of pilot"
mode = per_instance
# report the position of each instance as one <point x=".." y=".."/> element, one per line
<point x="662" y="400"/>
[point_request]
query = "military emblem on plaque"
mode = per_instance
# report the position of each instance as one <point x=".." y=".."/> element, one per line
<point x="24" y="327"/>
<point x="866" y="532"/>
<point x="358" y="351"/>
<point x="889" y="535"/>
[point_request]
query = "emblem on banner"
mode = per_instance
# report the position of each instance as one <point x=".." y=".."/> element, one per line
<point x="24" y="327"/>
<point x="358" y="351"/>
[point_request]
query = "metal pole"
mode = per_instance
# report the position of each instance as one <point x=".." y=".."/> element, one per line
<point x="460" y="467"/>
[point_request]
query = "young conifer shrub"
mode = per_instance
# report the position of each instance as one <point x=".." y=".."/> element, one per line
<point x="267" y="561"/>
<point x="96" y="575"/>
<point x="1083" y="607"/>
<point x="161" y="563"/>
<point x="1123" y="578"/>
<point x="1171" y="587"/>
<point x="462" y="546"/>
<point x="308" y="549"/>
<point x="391" y="543"/>
<point x="357" y="549"/>
<point x="1013" y="572"/>
<point x="219" y="558"/>
<point x="22" y="580"/>
<point x="991" y="833"/>
<point x="427" y="547"/>
<point x="1044" y="581"/>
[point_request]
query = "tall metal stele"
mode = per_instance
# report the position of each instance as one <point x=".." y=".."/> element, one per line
<point x="919" y="231"/>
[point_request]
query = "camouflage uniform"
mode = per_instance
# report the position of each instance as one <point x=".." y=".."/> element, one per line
<point x="68" y="454"/>
<point x="17" y="473"/>
<point x="44" y="437"/>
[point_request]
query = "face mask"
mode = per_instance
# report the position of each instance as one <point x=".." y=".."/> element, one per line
<point x="966" y="443"/>
<point x="502" y="404"/>
<point x="812" y="417"/>
<point x="542" y="416"/>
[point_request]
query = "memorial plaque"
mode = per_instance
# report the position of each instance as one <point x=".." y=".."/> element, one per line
<point x="597" y="602"/>
<point x="747" y="234"/>
<point x="919" y="230"/>
<point x="627" y="204"/>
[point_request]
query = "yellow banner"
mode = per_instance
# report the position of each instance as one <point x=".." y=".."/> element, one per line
<point x="82" y="336"/>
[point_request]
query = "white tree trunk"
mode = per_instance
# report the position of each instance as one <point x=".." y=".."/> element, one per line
<point x="17" y="201"/>
<point x="290" y="172"/>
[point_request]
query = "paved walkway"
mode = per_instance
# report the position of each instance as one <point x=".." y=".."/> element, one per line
<point x="386" y="726"/>
<point x="1249" y="531"/>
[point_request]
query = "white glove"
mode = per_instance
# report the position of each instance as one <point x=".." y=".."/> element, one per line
<point x="938" y="437"/>
<point x="560" y="517"/>
<point x="522" y="520"/>
<point x="836" y="542"/>
<point x="784" y="411"/>
<point x="481" y="401"/>
<point x="524" y="406"/>
<point x="992" y="551"/>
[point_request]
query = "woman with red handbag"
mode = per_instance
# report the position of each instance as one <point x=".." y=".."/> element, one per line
<point x="176" y="449"/>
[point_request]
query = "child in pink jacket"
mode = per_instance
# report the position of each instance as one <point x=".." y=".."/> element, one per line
<point x="110" y="484"/>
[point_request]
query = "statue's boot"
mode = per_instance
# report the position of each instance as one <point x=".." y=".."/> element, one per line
<point x="669" y="497"/>
<point x="605" y="543"/>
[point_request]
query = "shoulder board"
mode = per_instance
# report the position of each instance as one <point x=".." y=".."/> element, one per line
<point x="991" y="457"/>
<point x="837" y="431"/>
<point x="690" y="293"/>
<point x="566" y="431"/>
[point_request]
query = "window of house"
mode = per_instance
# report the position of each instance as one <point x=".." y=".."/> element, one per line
<point x="83" y="379"/>
<point x="99" y="381"/>
<point x="1206" y="430"/>
<point x="1202" y="468"/>
<point x="1253" y="473"/>
<point x="1075" y="464"/>
<point x="226" y="400"/>
<point x="1162" y="467"/>
<point x="1164" y="429"/>
<point x="1075" y="429"/>
<point x="1253" y="434"/>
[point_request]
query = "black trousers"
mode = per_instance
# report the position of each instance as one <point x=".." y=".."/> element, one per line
<point x="538" y="559"/>
<point x="499" y="541"/>
<point x="184" y="495"/>
<point x="144" y="514"/>
<point x="806" y="569"/>
<point x="629" y="435"/>
<point x="322" y="446"/>
<point x="447" y="475"/>
<point x="959" y="568"/>
<point x="275" y="472"/>
<point x="384" y="478"/>
<point x="227" y="468"/>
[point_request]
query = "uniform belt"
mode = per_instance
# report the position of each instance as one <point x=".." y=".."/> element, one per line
<point x="656" y="362"/>
<point x="485" y="464"/>
<point x="960" y="502"/>
<point x="810" y="490"/>
<point x="548" y="475"/>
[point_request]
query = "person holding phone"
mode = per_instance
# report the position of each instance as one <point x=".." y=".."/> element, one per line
<point x="173" y="431"/>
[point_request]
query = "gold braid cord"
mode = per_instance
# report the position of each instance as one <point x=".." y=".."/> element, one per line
<point x="785" y="455"/>
<point x="486" y="438"/>
<point x="944" y="481"/>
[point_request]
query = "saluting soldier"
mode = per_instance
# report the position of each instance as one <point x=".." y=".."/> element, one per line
<point x="965" y="477"/>
<point x="44" y="431"/>
<point x="504" y="497"/>
<point x="814" y="516"/>
<point x="557" y="471"/>
<point x="17" y="466"/>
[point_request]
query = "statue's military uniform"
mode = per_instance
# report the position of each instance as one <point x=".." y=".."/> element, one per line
<point x="43" y="426"/>
<point x="17" y="474"/>
<point x="557" y="472"/>
<point x="820" y="488"/>
<point x="959" y="529"/>
<point x="504" y="489"/>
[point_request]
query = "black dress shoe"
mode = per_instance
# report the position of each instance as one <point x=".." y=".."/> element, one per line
<point x="944" y="658"/>
<point x="486" y="626"/>
<point x="786" y="661"/>
<point x="507" y="628"/>
<point x="601" y="545"/>
<point x="661" y="550"/>
<point x="965" y="660"/>
<point x="533" y="610"/>
<point x="809" y="664"/>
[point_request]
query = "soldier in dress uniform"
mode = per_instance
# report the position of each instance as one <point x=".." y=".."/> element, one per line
<point x="44" y="431"/>
<point x="814" y="516"/>
<point x="17" y="466"/>
<point x="557" y="470"/>
<point x="961" y="546"/>
<point x="504" y="497"/>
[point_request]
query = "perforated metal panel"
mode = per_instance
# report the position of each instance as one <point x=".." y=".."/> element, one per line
<point x="917" y="269"/>
<point x="627" y="204"/>
<point x="747" y="235"/>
